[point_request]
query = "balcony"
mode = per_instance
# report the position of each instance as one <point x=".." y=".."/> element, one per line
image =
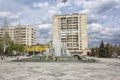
<point x="63" y="36"/>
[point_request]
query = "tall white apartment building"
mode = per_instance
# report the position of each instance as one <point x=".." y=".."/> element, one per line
<point x="25" y="35"/>
<point x="72" y="30"/>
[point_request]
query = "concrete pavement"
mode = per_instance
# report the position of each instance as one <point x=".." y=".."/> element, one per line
<point x="106" y="69"/>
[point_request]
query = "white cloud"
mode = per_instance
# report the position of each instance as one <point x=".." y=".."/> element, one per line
<point x="14" y="23"/>
<point x="60" y="5"/>
<point x="47" y="11"/>
<point x="97" y="32"/>
<point x="41" y="14"/>
<point x="95" y="7"/>
<point x="77" y="2"/>
<point x="45" y="26"/>
<point x="9" y="14"/>
<point x="50" y="33"/>
<point x="101" y="30"/>
<point x="95" y="27"/>
<point x="3" y="14"/>
<point x="56" y="7"/>
<point x="40" y="5"/>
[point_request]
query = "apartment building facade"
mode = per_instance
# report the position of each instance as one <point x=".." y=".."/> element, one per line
<point x="71" y="29"/>
<point x="25" y="35"/>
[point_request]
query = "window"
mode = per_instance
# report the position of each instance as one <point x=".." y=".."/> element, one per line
<point x="80" y="43"/>
<point x="80" y="47"/>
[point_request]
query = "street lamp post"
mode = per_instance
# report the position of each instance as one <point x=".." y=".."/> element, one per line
<point x="4" y="49"/>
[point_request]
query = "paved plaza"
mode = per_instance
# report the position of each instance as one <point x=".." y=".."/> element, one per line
<point x="106" y="69"/>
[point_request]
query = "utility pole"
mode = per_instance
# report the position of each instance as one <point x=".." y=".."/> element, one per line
<point x="4" y="37"/>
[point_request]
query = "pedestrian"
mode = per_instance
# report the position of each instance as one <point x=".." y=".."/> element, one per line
<point x="2" y="57"/>
<point x="17" y="57"/>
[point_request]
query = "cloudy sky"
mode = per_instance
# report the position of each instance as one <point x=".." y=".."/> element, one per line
<point x="103" y="17"/>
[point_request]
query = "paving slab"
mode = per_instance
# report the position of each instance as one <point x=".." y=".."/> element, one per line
<point x="105" y="69"/>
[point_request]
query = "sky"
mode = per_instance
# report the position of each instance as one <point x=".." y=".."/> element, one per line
<point x="103" y="17"/>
